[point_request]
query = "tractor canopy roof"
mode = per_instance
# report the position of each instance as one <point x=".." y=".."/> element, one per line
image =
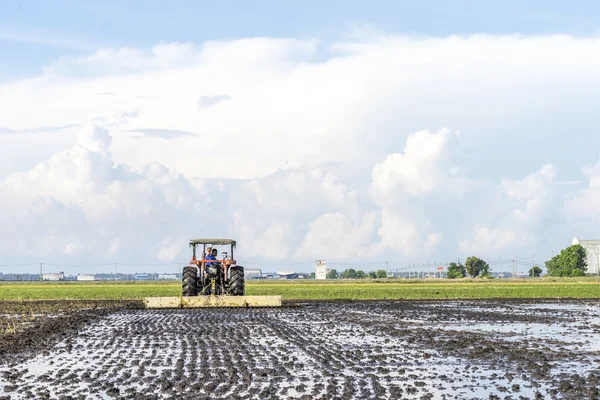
<point x="213" y="241"/>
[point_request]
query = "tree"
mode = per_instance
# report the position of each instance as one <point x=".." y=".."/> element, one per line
<point x="571" y="261"/>
<point x="360" y="274"/>
<point x="348" y="274"/>
<point x="474" y="266"/>
<point x="485" y="271"/>
<point x="381" y="273"/>
<point x="553" y="266"/>
<point x="373" y="274"/>
<point x="313" y="275"/>
<point x="535" y="272"/>
<point x="332" y="274"/>
<point x="456" y="271"/>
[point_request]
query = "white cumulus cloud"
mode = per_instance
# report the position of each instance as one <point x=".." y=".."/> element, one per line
<point x="292" y="146"/>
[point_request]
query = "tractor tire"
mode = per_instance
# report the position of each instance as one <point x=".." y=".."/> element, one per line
<point x="189" y="285"/>
<point x="237" y="286"/>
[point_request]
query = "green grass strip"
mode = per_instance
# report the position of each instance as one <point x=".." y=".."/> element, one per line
<point x="318" y="290"/>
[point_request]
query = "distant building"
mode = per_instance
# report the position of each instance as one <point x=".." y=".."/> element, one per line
<point x="286" y="275"/>
<point x="85" y="277"/>
<point x="592" y="250"/>
<point x="253" y="274"/>
<point x="53" y="276"/>
<point x="141" y="277"/>
<point x="168" y="277"/>
<point x="320" y="269"/>
<point x="292" y="275"/>
<point x="280" y="273"/>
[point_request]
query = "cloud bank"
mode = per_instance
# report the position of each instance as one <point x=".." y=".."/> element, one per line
<point x="391" y="148"/>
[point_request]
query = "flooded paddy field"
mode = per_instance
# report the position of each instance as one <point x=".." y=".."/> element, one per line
<point x="488" y="349"/>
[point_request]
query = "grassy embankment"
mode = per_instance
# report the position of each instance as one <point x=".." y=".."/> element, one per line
<point x="310" y="289"/>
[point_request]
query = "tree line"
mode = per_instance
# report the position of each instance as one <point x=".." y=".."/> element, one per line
<point x="474" y="267"/>
<point x="572" y="261"/>
<point x="351" y="273"/>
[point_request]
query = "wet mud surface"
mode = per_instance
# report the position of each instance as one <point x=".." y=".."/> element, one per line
<point x="494" y="349"/>
<point x="30" y="327"/>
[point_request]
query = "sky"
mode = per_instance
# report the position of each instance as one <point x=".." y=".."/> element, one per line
<point x="348" y="131"/>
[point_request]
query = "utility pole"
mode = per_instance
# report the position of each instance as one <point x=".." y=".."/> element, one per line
<point x="387" y="270"/>
<point x="115" y="275"/>
<point x="41" y="272"/>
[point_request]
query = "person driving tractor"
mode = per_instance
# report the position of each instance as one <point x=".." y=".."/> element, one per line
<point x="212" y="256"/>
<point x="209" y="255"/>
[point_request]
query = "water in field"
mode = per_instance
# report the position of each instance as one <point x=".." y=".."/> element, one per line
<point x="359" y="350"/>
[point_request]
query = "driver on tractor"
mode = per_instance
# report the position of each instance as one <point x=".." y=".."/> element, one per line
<point x="208" y="255"/>
<point x="212" y="256"/>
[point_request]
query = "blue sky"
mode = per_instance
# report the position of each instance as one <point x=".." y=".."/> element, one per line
<point x="409" y="131"/>
<point x="34" y="32"/>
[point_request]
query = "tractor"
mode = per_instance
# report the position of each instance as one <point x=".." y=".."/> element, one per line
<point x="212" y="282"/>
<point x="213" y="276"/>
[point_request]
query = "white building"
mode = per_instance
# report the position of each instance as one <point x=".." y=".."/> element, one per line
<point x="168" y="277"/>
<point x="85" y="277"/>
<point x="320" y="269"/>
<point x="53" y="277"/>
<point x="253" y="273"/>
<point x="592" y="251"/>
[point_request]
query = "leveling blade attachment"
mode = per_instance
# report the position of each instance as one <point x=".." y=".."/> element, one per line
<point x="212" y="301"/>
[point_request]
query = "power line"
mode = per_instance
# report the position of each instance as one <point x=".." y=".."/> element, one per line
<point x="298" y="263"/>
<point x="373" y="263"/>
<point x="18" y="265"/>
<point x="78" y="265"/>
<point x="145" y="265"/>
<point x="517" y="260"/>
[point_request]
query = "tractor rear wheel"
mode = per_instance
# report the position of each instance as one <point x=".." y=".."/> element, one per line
<point x="237" y="286"/>
<point x="189" y="285"/>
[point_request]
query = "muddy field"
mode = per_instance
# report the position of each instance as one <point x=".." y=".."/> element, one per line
<point x="322" y="350"/>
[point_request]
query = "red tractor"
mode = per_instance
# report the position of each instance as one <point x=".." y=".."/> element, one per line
<point x="213" y="275"/>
